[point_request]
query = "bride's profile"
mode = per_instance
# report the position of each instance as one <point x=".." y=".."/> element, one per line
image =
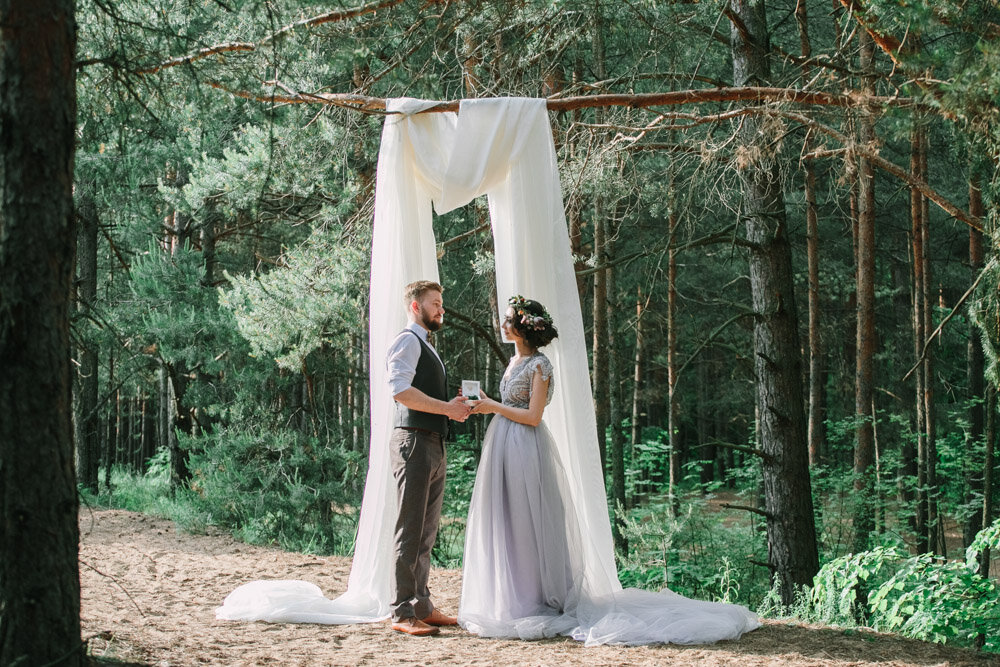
<point x="524" y="572"/>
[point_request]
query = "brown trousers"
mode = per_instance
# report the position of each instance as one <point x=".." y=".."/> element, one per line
<point x="418" y="464"/>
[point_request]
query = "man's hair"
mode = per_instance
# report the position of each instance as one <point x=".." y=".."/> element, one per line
<point x="414" y="291"/>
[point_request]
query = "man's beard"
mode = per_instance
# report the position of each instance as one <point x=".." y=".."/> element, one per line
<point x="429" y="324"/>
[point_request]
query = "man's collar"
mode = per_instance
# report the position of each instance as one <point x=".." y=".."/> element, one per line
<point x="418" y="329"/>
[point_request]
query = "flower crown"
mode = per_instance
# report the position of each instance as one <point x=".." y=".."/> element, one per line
<point x="530" y="320"/>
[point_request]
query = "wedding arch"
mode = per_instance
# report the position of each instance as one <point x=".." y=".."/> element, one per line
<point x="501" y="148"/>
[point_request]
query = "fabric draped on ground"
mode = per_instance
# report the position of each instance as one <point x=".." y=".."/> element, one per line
<point x="502" y="148"/>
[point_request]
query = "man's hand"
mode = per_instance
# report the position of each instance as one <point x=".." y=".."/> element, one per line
<point x="457" y="409"/>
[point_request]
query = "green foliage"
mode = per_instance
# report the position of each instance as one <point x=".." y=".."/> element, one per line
<point x="150" y="493"/>
<point x="702" y="552"/>
<point x="282" y="488"/>
<point x="312" y="299"/>
<point x="920" y="596"/>
<point x="463" y="458"/>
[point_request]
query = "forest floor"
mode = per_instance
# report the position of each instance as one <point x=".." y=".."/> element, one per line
<point x="149" y="595"/>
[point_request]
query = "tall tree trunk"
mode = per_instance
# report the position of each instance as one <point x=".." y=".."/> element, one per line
<point x="935" y="527"/>
<point x="673" y="406"/>
<point x="87" y="420"/>
<point x="39" y="580"/>
<point x="600" y="306"/>
<point x="816" y="433"/>
<point x="178" y="421"/>
<point x="791" y="531"/>
<point x="920" y="518"/>
<point x="617" y="453"/>
<point x="906" y="474"/>
<point x="864" y="384"/>
<point x="989" y="470"/>
<point x="975" y="364"/>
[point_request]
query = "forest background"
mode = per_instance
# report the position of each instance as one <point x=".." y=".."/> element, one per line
<point x="782" y="218"/>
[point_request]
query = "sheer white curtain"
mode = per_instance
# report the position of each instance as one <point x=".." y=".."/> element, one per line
<point x="502" y="148"/>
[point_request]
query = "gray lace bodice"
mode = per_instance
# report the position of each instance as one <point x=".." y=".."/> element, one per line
<point x="515" y="387"/>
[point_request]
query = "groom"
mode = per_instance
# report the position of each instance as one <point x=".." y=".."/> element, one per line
<point x="416" y="449"/>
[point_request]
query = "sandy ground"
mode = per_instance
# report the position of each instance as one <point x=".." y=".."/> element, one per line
<point x="149" y="594"/>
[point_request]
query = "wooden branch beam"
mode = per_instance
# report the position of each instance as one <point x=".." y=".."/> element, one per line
<point x="635" y="101"/>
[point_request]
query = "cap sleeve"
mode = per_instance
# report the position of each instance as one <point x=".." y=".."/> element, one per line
<point x="544" y="366"/>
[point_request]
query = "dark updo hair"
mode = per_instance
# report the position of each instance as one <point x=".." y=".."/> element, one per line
<point x="532" y="322"/>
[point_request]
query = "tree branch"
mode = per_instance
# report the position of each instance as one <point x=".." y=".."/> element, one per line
<point x="758" y="94"/>
<point x="480" y="331"/>
<point x="229" y="47"/>
<point x="747" y="508"/>
<point x="930" y="339"/>
<point x="886" y="165"/>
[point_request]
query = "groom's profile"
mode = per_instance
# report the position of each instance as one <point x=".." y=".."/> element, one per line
<point x="418" y="382"/>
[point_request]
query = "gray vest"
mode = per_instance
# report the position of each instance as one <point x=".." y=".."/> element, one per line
<point x="431" y="379"/>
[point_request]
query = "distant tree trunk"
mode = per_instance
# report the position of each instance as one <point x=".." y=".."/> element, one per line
<point x="920" y="519"/>
<point x="617" y="453"/>
<point x="816" y="432"/>
<point x="178" y="421"/>
<point x="975" y="370"/>
<point x="903" y="313"/>
<point x="791" y="532"/>
<point x="934" y="524"/>
<point x="88" y="444"/>
<point x="208" y="235"/>
<point x="673" y="406"/>
<point x="178" y="417"/>
<point x="864" y="383"/>
<point x="600" y="307"/>
<point x="39" y="580"/>
<point x="163" y="406"/>
<point x="148" y="440"/>
<point x="637" y="374"/>
<point x="705" y="420"/>
<point x="989" y="465"/>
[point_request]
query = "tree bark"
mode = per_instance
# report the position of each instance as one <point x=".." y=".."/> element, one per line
<point x="975" y="366"/>
<point x="600" y="306"/>
<point x="39" y="580"/>
<point x="989" y="463"/>
<point x="617" y="453"/>
<point x="936" y="529"/>
<point x="637" y="374"/>
<point x="816" y="432"/>
<point x="791" y="532"/>
<point x="864" y="385"/>
<point x="920" y="518"/>
<point x="88" y="452"/>
<point x="673" y="407"/>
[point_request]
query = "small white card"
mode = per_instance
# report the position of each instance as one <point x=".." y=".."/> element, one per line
<point x="470" y="389"/>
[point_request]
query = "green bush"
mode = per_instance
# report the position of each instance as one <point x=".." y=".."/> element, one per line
<point x="922" y="596"/>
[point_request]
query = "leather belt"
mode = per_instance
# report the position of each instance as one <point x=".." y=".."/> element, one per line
<point x="417" y="428"/>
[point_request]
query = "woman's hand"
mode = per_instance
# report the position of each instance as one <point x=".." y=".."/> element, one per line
<point x="484" y="406"/>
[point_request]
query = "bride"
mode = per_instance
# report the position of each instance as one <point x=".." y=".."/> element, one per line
<point x="523" y="571"/>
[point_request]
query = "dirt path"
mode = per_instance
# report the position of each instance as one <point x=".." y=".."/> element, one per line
<point x="149" y="596"/>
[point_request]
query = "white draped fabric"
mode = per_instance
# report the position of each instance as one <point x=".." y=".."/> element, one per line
<point x="502" y="148"/>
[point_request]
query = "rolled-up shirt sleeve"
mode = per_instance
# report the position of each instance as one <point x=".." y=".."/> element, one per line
<point x="401" y="360"/>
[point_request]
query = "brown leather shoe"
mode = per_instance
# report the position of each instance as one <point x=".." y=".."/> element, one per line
<point x="415" y="627"/>
<point x="437" y="618"/>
